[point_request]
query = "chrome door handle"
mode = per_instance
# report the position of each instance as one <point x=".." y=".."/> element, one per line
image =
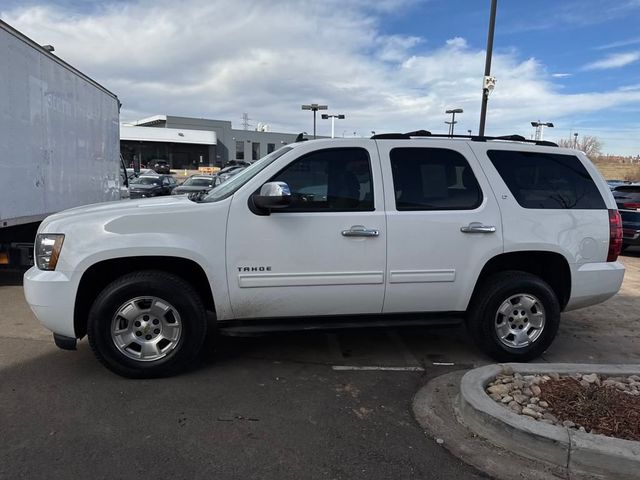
<point x="477" y="227"/>
<point x="360" y="231"/>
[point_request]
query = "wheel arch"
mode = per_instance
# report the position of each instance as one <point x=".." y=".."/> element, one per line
<point x="551" y="267"/>
<point x="100" y="274"/>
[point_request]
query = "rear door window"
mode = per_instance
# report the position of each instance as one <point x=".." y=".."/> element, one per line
<point x="433" y="179"/>
<point x="546" y="180"/>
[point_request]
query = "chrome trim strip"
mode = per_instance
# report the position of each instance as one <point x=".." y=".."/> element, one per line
<point x="254" y="280"/>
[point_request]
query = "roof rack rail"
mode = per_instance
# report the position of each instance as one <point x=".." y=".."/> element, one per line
<point x="400" y="136"/>
<point x="473" y="138"/>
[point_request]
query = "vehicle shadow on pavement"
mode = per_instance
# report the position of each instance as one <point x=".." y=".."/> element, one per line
<point x="64" y="415"/>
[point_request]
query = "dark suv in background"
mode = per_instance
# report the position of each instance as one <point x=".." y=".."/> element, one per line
<point x="151" y="185"/>
<point x="160" y="166"/>
<point x="628" y="201"/>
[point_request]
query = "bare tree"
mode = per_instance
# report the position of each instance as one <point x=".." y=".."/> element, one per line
<point x="590" y="145"/>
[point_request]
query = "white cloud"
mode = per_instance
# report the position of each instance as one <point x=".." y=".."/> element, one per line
<point x="615" y="60"/>
<point x="561" y="75"/>
<point x="629" y="88"/>
<point x="620" y="43"/>
<point x="219" y="58"/>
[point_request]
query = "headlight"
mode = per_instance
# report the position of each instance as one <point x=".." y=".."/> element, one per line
<point x="48" y="246"/>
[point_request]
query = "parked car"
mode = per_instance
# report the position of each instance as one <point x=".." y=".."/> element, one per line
<point x="197" y="183"/>
<point x="616" y="183"/>
<point x="149" y="185"/>
<point x="131" y="173"/>
<point x="160" y="166"/>
<point x="498" y="234"/>
<point x="628" y="201"/>
<point x="231" y="168"/>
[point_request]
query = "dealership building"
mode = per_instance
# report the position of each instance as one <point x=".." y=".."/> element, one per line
<point x="191" y="143"/>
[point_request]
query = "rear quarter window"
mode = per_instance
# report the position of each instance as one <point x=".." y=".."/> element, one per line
<point x="546" y="180"/>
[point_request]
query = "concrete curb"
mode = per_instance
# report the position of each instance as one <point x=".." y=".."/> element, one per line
<point x="577" y="452"/>
<point x="435" y="407"/>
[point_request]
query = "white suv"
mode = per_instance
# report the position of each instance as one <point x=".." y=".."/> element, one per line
<point x="394" y="230"/>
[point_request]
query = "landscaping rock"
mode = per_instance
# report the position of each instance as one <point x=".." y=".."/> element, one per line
<point x="531" y="413"/>
<point x="498" y="389"/>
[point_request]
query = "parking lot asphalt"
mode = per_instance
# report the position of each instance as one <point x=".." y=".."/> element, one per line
<point x="282" y="406"/>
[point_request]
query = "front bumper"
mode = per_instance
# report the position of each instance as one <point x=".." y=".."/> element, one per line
<point x="593" y="283"/>
<point x="134" y="194"/>
<point x="51" y="296"/>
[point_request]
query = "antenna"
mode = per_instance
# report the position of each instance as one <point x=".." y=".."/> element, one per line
<point x="245" y="121"/>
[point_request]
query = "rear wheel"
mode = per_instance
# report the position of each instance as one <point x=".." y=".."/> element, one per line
<point x="147" y="324"/>
<point x="514" y="316"/>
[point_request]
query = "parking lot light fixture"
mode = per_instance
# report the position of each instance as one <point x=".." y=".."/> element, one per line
<point x="539" y="126"/>
<point x="333" y="117"/>
<point x="314" y="107"/>
<point x="453" y="112"/>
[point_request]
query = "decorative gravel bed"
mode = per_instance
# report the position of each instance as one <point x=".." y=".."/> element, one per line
<point x="587" y="402"/>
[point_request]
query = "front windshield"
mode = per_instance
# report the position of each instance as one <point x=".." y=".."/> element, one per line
<point x="198" y="182"/>
<point x="231" y="186"/>
<point x="146" y="181"/>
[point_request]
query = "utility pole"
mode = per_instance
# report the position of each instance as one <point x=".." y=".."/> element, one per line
<point x="488" y="82"/>
<point x="314" y="107"/>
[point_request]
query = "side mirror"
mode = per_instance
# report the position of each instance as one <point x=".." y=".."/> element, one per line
<point x="273" y="195"/>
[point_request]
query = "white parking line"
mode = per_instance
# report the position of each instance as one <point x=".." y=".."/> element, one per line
<point x="377" y="368"/>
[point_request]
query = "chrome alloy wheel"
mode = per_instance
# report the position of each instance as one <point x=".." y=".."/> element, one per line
<point x="146" y="328"/>
<point x="519" y="321"/>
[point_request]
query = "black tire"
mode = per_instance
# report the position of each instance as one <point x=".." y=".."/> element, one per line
<point x="481" y="316"/>
<point x="624" y="247"/>
<point x="164" y="286"/>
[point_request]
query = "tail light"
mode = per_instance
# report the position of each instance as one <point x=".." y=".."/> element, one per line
<point x="615" y="235"/>
<point x="631" y="206"/>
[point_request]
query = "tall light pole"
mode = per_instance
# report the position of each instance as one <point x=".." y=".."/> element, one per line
<point x="540" y="128"/>
<point x="575" y="141"/>
<point x="453" y="119"/>
<point x="488" y="81"/>
<point x="314" y="107"/>
<point x="333" y="121"/>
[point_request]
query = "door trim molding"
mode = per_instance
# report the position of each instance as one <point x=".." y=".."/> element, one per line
<point x="422" y="276"/>
<point x="257" y="280"/>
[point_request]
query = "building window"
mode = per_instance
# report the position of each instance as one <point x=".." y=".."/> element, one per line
<point x="239" y="150"/>
<point x="255" y="150"/>
<point x="270" y="147"/>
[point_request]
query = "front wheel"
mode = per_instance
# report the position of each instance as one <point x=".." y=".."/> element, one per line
<point x="147" y="324"/>
<point x="514" y="316"/>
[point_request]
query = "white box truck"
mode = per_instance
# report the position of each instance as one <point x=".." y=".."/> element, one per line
<point x="59" y="142"/>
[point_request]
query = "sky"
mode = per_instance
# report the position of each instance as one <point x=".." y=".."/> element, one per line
<point x="387" y="65"/>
